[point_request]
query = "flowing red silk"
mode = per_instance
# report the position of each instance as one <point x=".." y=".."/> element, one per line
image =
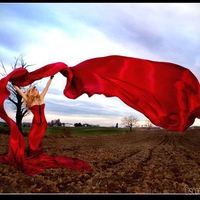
<point x="166" y="93"/>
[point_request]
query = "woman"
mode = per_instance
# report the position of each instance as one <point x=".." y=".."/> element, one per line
<point x="34" y="101"/>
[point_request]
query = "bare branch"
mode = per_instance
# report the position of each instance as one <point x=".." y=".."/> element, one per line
<point x="15" y="98"/>
<point x="129" y="121"/>
<point x="4" y="73"/>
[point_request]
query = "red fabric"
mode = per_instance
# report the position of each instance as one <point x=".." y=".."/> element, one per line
<point x="166" y="93"/>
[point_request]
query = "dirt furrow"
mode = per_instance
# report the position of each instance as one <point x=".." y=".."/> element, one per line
<point x="143" y="161"/>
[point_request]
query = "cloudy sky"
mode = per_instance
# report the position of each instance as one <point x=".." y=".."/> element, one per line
<point x="73" y="32"/>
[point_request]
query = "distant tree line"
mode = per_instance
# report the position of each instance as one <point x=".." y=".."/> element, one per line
<point x="58" y="123"/>
<point x="85" y="125"/>
<point x="52" y="123"/>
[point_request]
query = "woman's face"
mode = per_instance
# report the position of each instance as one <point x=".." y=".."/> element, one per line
<point x="35" y="91"/>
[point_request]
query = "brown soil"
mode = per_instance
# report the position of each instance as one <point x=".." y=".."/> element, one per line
<point x="148" y="161"/>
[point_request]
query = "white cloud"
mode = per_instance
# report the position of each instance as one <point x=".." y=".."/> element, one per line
<point x="74" y="32"/>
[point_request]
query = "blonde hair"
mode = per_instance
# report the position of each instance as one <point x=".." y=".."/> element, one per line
<point x="30" y="97"/>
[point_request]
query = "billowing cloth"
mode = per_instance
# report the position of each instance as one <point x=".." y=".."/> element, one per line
<point x="166" y="93"/>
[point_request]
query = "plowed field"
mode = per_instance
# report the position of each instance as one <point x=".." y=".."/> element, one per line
<point x="143" y="161"/>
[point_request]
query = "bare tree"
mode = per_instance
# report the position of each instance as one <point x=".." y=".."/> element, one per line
<point x="129" y="121"/>
<point x="15" y="99"/>
<point x="148" y="124"/>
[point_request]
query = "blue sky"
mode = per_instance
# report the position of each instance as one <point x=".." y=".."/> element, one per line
<point x="73" y="32"/>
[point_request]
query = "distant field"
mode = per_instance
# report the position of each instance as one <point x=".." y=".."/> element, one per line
<point x="103" y="130"/>
<point x="71" y="131"/>
<point x="83" y="131"/>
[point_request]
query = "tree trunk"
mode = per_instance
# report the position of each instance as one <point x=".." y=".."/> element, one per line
<point x="19" y="123"/>
<point x="19" y="118"/>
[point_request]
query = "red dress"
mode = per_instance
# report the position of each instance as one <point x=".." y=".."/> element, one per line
<point x="37" y="131"/>
<point x="36" y="160"/>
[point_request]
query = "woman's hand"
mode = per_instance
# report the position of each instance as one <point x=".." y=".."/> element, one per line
<point x="16" y="87"/>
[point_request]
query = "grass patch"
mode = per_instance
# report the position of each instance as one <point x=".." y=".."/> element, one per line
<point x="70" y="131"/>
<point x="4" y="128"/>
<point x="83" y="131"/>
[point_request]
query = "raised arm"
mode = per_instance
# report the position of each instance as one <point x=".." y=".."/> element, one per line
<point x="20" y="92"/>
<point x="42" y="95"/>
